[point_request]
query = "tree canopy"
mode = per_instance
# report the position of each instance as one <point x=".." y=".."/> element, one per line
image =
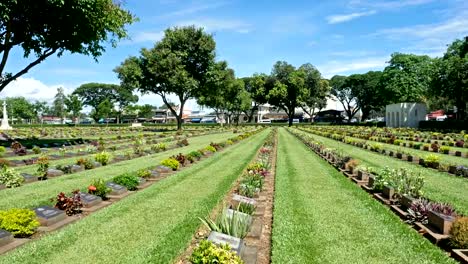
<point x="178" y="65"/>
<point x="46" y="27"/>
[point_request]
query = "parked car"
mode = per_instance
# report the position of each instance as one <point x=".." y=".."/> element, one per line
<point x="265" y="121"/>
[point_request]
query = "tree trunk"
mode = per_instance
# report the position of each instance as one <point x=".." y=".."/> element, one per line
<point x="291" y="116"/>
<point x="179" y="122"/>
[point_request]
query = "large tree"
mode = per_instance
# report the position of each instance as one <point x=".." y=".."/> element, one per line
<point x="20" y="108"/>
<point x="45" y="27"/>
<point x="289" y="87"/>
<point x="256" y="87"/>
<point x="93" y="94"/>
<point x="317" y="90"/>
<point x="407" y="78"/>
<point x="58" y="104"/>
<point x="177" y="65"/>
<point x="451" y="82"/>
<point x="366" y="90"/>
<point x="74" y="106"/>
<point x="344" y="95"/>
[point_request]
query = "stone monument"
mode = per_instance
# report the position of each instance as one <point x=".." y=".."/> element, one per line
<point x="5" y="125"/>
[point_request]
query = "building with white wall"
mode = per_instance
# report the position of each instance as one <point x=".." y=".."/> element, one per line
<point x="405" y="114"/>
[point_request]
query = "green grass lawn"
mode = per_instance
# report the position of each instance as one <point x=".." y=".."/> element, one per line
<point x="321" y="217"/>
<point x="151" y="226"/>
<point x="38" y="193"/>
<point x="444" y="158"/>
<point x="439" y="186"/>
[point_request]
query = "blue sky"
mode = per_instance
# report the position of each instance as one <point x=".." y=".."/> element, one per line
<point x="338" y="37"/>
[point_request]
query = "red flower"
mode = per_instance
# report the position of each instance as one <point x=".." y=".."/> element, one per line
<point x="92" y="188"/>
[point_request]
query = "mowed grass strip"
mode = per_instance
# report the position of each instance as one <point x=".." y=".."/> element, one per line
<point x="39" y="193"/>
<point x="152" y="226"/>
<point x="439" y="186"/>
<point x="321" y="217"/>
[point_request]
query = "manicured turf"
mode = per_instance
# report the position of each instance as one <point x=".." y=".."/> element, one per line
<point x="151" y="226"/>
<point x="321" y="217"/>
<point x="444" y="158"/>
<point x="38" y="193"/>
<point x="439" y="186"/>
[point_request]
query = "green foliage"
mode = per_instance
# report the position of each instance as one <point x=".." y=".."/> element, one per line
<point x="36" y="150"/>
<point x="10" y="178"/>
<point x="87" y="163"/>
<point x="98" y="187"/>
<point x="246" y="208"/>
<point x="431" y="159"/>
<point x="210" y="149"/>
<point x="103" y="158"/>
<point x="144" y="173"/>
<point x="178" y="64"/>
<point x="19" y="222"/>
<point x="459" y="233"/>
<point x="236" y="225"/>
<point x="2" y="151"/>
<point x="171" y="163"/>
<point x="43" y="163"/>
<point x="43" y="35"/>
<point x="444" y="149"/>
<point x="207" y="253"/>
<point x="130" y="181"/>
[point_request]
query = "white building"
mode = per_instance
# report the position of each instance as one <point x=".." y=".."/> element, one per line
<point x="405" y="114"/>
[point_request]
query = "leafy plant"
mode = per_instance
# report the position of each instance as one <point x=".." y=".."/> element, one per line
<point x="144" y="173"/>
<point x="445" y="149"/>
<point x="36" y="150"/>
<point x="195" y="154"/>
<point x="431" y="159"/>
<point x="2" y="151"/>
<point x="43" y="163"/>
<point x="67" y="169"/>
<point x="459" y="233"/>
<point x="171" y="163"/>
<point x="207" y="252"/>
<point x="18" y="149"/>
<point x="183" y="142"/>
<point x="210" y="149"/>
<point x="10" y="178"/>
<point x="246" y="208"/>
<point x="98" y="187"/>
<point x="19" y="222"/>
<point x="5" y="163"/>
<point x="236" y="225"/>
<point x="180" y="158"/>
<point x="419" y="210"/>
<point x="127" y="180"/>
<point x="87" y="163"/>
<point x="70" y="204"/>
<point x="103" y="158"/>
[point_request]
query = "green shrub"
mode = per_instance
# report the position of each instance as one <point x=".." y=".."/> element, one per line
<point x="103" y="158"/>
<point x="98" y="187"/>
<point x="36" y="150"/>
<point x="10" y="178"/>
<point x="444" y="149"/>
<point x="431" y="159"/>
<point x="459" y="233"/>
<point x="144" y="173"/>
<point x="195" y="154"/>
<point x="210" y="148"/>
<point x="19" y="222"/>
<point x="2" y="151"/>
<point x="127" y="180"/>
<point x="397" y="142"/>
<point x="43" y="163"/>
<point x="87" y="163"/>
<point x="246" y="208"/>
<point x="171" y="163"/>
<point x="207" y="252"/>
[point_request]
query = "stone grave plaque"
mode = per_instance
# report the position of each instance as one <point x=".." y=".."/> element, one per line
<point x="163" y="169"/>
<point x="231" y="212"/>
<point x="97" y="164"/>
<point x="90" y="200"/>
<point x="155" y="174"/>
<point x="28" y="177"/>
<point x="116" y="189"/>
<point x="55" y="156"/>
<point x="5" y="237"/>
<point x="48" y="216"/>
<point x="141" y="181"/>
<point x="235" y="243"/>
<point x="77" y="168"/>
<point x="237" y="199"/>
<point x="54" y="173"/>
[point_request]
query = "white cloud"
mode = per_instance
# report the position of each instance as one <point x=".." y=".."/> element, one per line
<point x="196" y="8"/>
<point x="146" y="36"/>
<point x="352" y="66"/>
<point x="361" y="53"/>
<point x="213" y="25"/>
<point x="335" y="19"/>
<point x="385" y="5"/>
<point x="32" y="89"/>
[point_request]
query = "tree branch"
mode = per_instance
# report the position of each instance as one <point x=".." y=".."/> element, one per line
<point x="46" y="54"/>
<point x="7" y="49"/>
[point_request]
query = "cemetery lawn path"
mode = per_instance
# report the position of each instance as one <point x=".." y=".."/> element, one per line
<point x="154" y="225"/>
<point x="321" y="217"/>
<point x="39" y="193"/>
<point x="438" y="186"/>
